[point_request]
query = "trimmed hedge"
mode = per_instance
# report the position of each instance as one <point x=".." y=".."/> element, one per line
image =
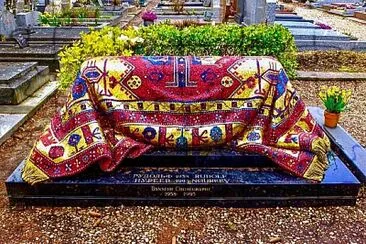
<point x="165" y="39"/>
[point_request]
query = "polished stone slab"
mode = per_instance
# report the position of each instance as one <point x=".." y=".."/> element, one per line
<point x="30" y="105"/>
<point x="10" y="71"/>
<point x="22" y="84"/>
<point x="305" y="45"/>
<point x="288" y="16"/>
<point x="189" y="186"/>
<point x="215" y="178"/>
<point x="45" y="55"/>
<point x="214" y="158"/>
<point x="317" y="34"/>
<point x="9" y="123"/>
<point x="291" y="17"/>
<point x="296" y="24"/>
<point x="345" y="146"/>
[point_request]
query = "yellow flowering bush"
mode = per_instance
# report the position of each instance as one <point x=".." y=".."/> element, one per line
<point x="334" y="98"/>
<point x="108" y="41"/>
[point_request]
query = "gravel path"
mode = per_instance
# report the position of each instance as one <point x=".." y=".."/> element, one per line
<point x="338" y="23"/>
<point x="181" y="225"/>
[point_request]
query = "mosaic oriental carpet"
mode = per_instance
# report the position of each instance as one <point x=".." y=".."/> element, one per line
<point x="122" y="107"/>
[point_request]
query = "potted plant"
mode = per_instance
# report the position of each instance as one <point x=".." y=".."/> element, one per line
<point x="149" y="17"/>
<point x="335" y="101"/>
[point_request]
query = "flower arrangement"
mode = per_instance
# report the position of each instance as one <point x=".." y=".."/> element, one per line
<point x="149" y="16"/>
<point x="335" y="101"/>
<point x="334" y="98"/>
<point x="323" y="26"/>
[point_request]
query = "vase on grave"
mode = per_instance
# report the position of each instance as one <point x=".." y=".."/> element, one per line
<point x="331" y="119"/>
<point x="335" y="100"/>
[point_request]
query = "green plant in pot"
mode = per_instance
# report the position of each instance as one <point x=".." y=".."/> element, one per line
<point x="335" y="101"/>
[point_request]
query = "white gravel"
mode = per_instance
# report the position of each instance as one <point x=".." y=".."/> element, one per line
<point x="339" y="23"/>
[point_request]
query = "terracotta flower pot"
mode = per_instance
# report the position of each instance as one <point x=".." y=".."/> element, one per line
<point x="331" y="119"/>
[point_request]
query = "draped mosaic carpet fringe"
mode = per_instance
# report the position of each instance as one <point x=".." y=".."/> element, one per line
<point x="32" y="174"/>
<point x="320" y="163"/>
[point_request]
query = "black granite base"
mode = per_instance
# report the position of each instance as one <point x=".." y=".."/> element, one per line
<point x="262" y="186"/>
<point x="216" y="178"/>
<point x="345" y="146"/>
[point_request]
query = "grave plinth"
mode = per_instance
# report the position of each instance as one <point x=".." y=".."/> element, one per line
<point x="211" y="178"/>
<point x="255" y="183"/>
<point x="215" y="178"/>
<point x="20" y="80"/>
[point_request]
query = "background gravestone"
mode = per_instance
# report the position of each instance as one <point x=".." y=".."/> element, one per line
<point x="271" y="11"/>
<point x="25" y="19"/>
<point x="252" y="12"/>
<point x="7" y="21"/>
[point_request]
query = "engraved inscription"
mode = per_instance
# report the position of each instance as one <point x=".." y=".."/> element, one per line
<point x="181" y="191"/>
<point x="179" y="178"/>
<point x="185" y="190"/>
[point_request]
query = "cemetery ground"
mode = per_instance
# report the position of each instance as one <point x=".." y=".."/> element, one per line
<point x="137" y="224"/>
<point x="127" y="224"/>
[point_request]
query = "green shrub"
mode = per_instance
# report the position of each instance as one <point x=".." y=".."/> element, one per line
<point x="166" y="39"/>
<point x="160" y="40"/>
<point x="109" y="41"/>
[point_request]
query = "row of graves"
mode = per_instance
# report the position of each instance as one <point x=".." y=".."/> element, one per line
<point x="315" y="35"/>
<point x="216" y="11"/>
<point x="350" y="8"/>
<point x="32" y="35"/>
<point x="38" y="31"/>
<point x="309" y="34"/>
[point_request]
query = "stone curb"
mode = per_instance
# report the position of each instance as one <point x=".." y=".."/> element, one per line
<point x="22" y="112"/>
<point x="330" y="76"/>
